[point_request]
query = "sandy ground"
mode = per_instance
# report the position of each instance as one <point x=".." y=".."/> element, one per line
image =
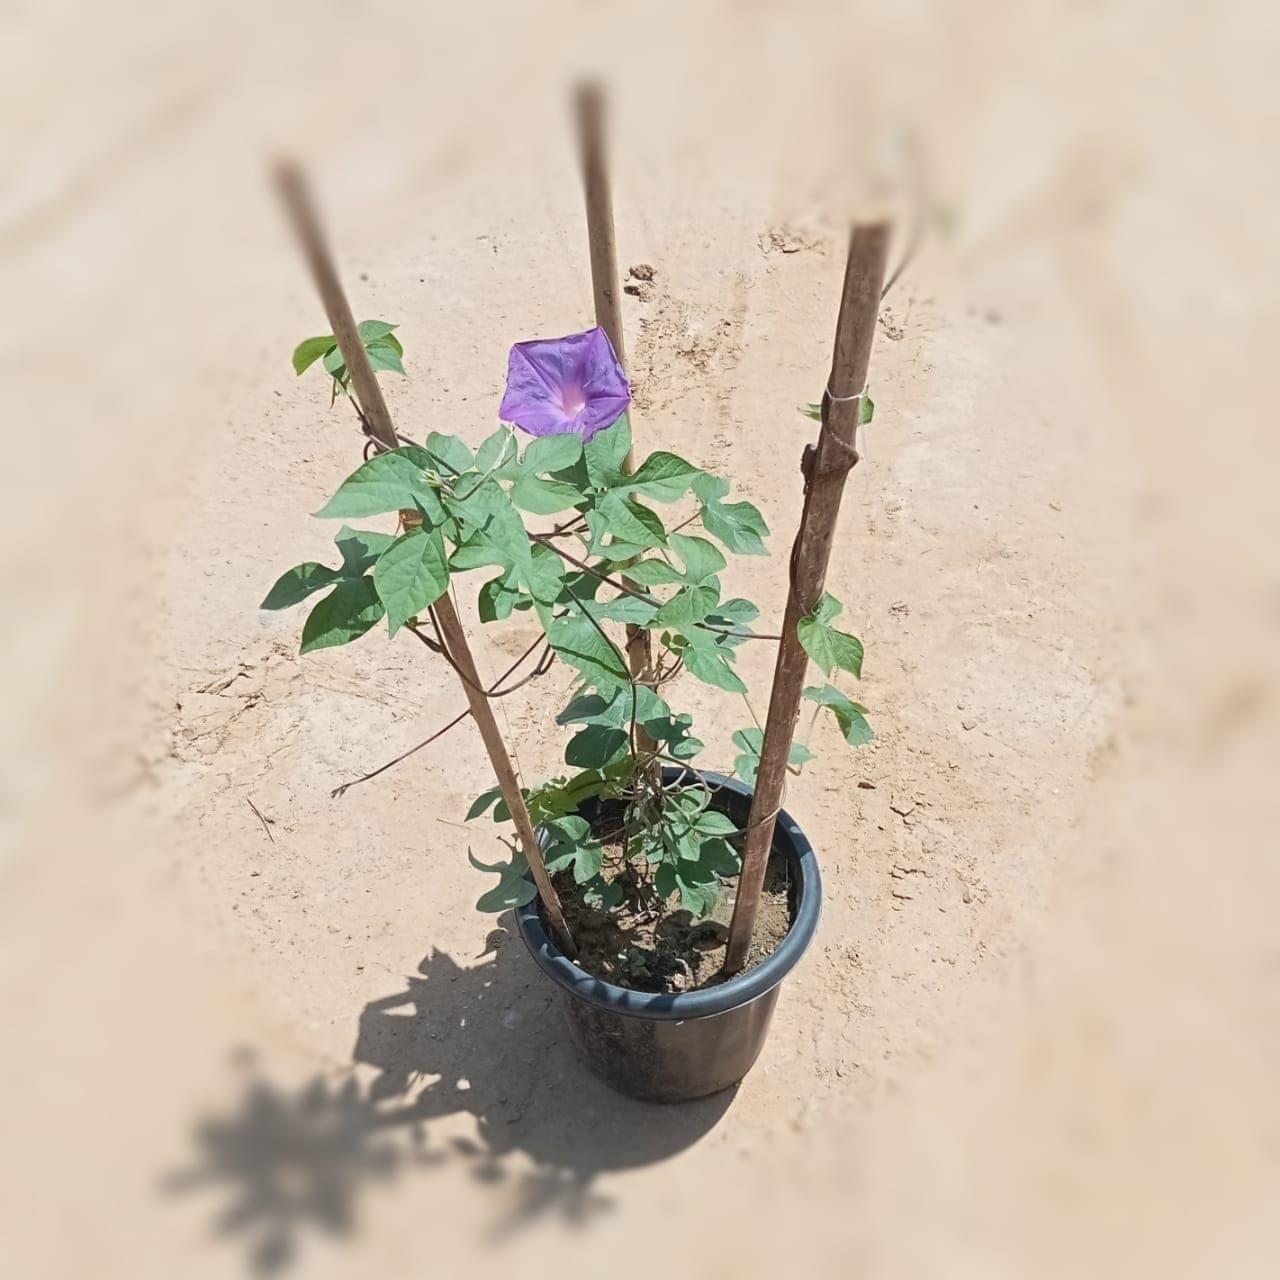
<point x="1038" y="1033"/>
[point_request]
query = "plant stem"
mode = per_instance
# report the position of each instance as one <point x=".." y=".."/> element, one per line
<point x="544" y="539"/>
<point x="493" y="691"/>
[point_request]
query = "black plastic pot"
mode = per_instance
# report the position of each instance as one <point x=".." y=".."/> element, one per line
<point x="672" y="1048"/>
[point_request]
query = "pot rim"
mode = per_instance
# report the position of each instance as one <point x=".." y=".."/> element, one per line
<point x="789" y="839"/>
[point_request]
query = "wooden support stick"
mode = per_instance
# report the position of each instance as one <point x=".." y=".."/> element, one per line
<point x="827" y="469"/>
<point x="455" y="640"/>
<point x="600" y="233"/>
<point x="306" y="224"/>
<point x="602" y="243"/>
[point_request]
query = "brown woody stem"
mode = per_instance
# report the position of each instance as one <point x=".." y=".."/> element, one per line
<point x="306" y="225"/>
<point x="608" y="302"/>
<point x="828" y="469"/>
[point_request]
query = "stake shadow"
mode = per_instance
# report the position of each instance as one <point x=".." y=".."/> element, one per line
<point x="485" y="1040"/>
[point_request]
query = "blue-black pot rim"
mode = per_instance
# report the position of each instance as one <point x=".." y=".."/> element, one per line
<point x="746" y="987"/>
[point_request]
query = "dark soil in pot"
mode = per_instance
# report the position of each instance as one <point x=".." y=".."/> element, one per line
<point x="664" y="948"/>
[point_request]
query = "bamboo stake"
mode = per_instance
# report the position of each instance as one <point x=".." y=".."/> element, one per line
<point x="827" y="469"/>
<point x="600" y="234"/>
<point x="601" y="241"/>
<point x="306" y="224"/>
<point x="455" y="640"/>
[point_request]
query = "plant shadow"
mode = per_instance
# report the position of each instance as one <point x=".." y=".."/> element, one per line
<point x="486" y="1041"/>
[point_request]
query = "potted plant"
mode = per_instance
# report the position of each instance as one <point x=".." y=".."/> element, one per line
<point x="624" y="868"/>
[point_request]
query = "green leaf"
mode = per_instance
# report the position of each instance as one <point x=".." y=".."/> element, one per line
<point x="387" y="482"/>
<point x="571" y="846"/>
<point x="747" y="761"/>
<point x="410" y="575"/>
<point x="690" y="800"/>
<point x="701" y="558"/>
<point x="850" y="716"/>
<point x="735" y="615"/>
<point x="735" y="612"/>
<point x="605" y="452"/>
<point x="866" y="411"/>
<point x="719" y="856"/>
<point x="625" y="521"/>
<point x="711" y="822"/>
<point x="345" y="614"/>
<point x="497" y="449"/>
<point x="333" y="365"/>
<point x="360" y="549"/>
<point x="478" y="553"/>
<point x="627" y="609"/>
<point x="295" y="585"/>
<point x="513" y="889"/>
<point x="687" y="608"/>
<point x="615" y="553"/>
<point x="615" y="708"/>
<point x="372" y="330"/>
<point x="544" y="497"/>
<point x="672" y="734"/>
<point x="561" y="797"/>
<point x="749" y="743"/>
<point x="596" y="747"/>
<point x="650" y="706"/>
<point x="449" y="452"/>
<point x="544" y="575"/>
<point x="712" y="667"/>
<point x="552" y="453"/>
<point x="698" y="888"/>
<point x="828" y="647"/>
<point x="570" y="828"/>
<point x="485" y="512"/>
<point x="698" y="899"/>
<point x="685" y="747"/>
<point x="591" y="708"/>
<point x="384" y="357"/>
<point x="661" y="476"/>
<point x="307" y="352"/>
<point x="709" y="488"/>
<point x="738" y="525"/>
<point x="652" y="573"/>
<point x="498" y="598"/>
<point x="483" y="802"/>
<point x="585" y="860"/>
<point x="578" y="643"/>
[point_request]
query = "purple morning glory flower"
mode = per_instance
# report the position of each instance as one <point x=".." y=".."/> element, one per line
<point x="558" y="386"/>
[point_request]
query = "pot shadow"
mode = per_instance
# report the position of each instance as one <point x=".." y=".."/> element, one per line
<point x="487" y="1041"/>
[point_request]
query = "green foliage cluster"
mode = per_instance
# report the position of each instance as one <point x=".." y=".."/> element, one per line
<point x="376" y="336"/>
<point x="559" y="530"/>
